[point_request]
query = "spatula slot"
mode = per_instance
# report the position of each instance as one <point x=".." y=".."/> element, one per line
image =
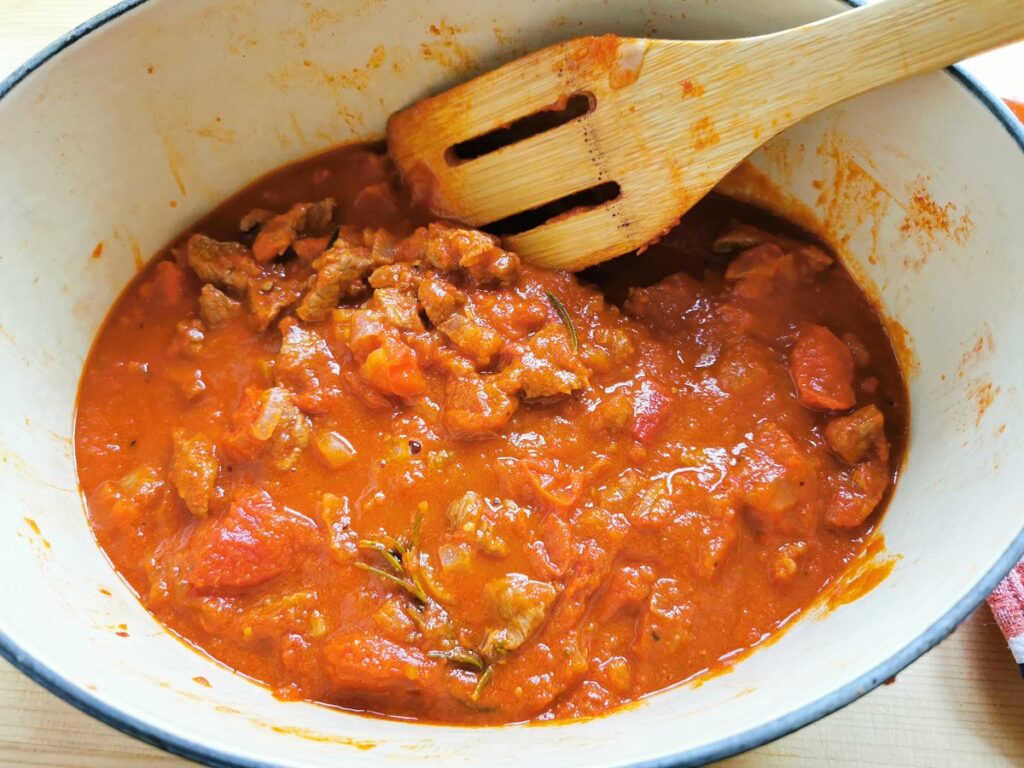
<point x="583" y="200"/>
<point x="552" y="116"/>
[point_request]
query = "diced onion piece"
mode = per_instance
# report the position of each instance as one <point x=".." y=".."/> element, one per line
<point x="275" y="401"/>
<point x="455" y="557"/>
<point x="334" y="449"/>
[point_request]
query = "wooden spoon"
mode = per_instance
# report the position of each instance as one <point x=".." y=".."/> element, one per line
<point x="663" y="120"/>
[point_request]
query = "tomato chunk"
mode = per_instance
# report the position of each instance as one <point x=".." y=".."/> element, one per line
<point x="650" y="409"/>
<point x="248" y="546"/>
<point x="368" y="665"/>
<point x="822" y="369"/>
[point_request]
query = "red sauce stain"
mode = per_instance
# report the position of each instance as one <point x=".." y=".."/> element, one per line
<point x="869" y="569"/>
<point x="200" y="680"/>
<point x="377" y="57"/>
<point x="928" y="221"/>
<point x="602" y="51"/>
<point x="137" y="254"/>
<point x="447" y="50"/>
<point x="121" y="633"/>
<point x="852" y="197"/>
<point x="692" y="88"/>
<point x="628" y="62"/>
<point x="983" y="393"/>
<point x="97" y="252"/>
<point x="322" y="738"/>
<point x="703" y="133"/>
<point x="34" y="526"/>
<point x="983" y="345"/>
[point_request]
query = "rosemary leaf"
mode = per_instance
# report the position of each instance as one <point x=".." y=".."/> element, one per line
<point x="385" y="552"/>
<point x="459" y="656"/>
<point x="566" y="318"/>
<point x="485" y="678"/>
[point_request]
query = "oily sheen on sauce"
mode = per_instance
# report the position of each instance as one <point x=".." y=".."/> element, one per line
<point x="378" y="462"/>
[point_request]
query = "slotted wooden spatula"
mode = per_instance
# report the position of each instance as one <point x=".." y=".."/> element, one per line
<point x="662" y="120"/>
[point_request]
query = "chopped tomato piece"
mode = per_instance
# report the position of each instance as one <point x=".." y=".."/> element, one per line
<point x="394" y="370"/>
<point x="650" y="409"/>
<point x="822" y="369"/>
<point x="167" y="287"/>
<point x="358" y="665"/>
<point x="248" y="546"/>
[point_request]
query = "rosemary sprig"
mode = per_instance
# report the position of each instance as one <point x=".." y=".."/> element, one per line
<point x="401" y="575"/>
<point x="408" y="585"/>
<point x="566" y="318"/>
<point x="385" y="551"/>
<point x="459" y="656"/>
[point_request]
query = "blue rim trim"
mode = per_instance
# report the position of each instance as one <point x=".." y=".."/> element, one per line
<point x="728" y="747"/>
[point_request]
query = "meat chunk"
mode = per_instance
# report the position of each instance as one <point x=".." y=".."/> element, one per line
<point x="470" y="519"/>
<point x="362" y="666"/>
<point x="778" y="480"/>
<point x="521" y="603"/>
<point x="665" y="305"/>
<point x="476" y="253"/>
<point x="255" y="218"/>
<point x="306" y="366"/>
<point x="194" y="470"/>
<point x="475" y="406"/>
<point x="667" y="621"/>
<point x="227" y="264"/>
<point x="548" y="368"/>
<point x="398" y="308"/>
<point x="216" y="307"/>
<point x="440" y="299"/>
<point x="400" y="275"/>
<point x="737" y="236"/>
<point x="822" y="369"/>
<point x="278" y="233"/>
<point x="768" y="261"/>
<point x="270" y="294"/>
<point x="340" y="272"/>
<point x="247" y="546"/>
<point x="857" y="494"/>
<point x="474" y="339"/>
<point x="853" y="438"/>
<point x="628" y="589"/>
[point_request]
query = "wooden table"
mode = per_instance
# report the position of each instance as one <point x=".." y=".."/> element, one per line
<point x="962" y="704"/>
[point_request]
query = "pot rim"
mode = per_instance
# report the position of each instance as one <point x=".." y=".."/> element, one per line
<point x="727" y="747"/>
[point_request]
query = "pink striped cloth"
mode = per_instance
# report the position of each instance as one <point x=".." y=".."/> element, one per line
<point x="1007" y="604"/>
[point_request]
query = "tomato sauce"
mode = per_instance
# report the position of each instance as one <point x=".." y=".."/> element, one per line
<point x="376" y="461"/>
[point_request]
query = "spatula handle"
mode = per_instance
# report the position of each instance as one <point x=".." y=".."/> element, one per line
<point x="845" y="55"/>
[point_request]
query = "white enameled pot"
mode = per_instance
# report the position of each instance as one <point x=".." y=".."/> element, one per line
<point x="130" y="128"/>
